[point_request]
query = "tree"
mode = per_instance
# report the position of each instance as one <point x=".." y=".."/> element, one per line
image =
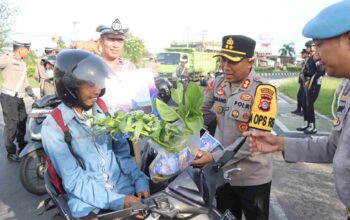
<point x="287" y="53"/>
<point x="134" y="49"/>
<point x="59" y="41"/>
<point x="7" y="19"/>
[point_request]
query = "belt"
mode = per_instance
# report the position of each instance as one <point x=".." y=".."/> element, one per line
<point x="13" y="93"/>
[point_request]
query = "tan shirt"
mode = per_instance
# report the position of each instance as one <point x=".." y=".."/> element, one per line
<point x="122" y="65"/>
<point x="14" y="72"/>
<point x="40" y="74"/>
<point x="232" y="103"/>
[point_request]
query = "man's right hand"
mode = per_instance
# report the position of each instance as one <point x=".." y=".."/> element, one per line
<point x="264" y="142"/>
<point x="128" y="200"/>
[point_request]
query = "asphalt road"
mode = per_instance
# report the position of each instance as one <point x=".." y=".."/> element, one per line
<point x="15" y="201"/>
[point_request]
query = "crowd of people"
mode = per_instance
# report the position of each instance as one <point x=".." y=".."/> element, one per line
<point x="99" y="173"/>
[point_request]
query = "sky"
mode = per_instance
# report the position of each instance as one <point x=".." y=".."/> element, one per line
<point x="160" y="22"/>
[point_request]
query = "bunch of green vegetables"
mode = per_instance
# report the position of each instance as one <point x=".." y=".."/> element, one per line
<point x="162" y="132"/>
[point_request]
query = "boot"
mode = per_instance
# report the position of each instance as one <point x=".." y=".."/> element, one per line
<point x="303" y="128"/>
<point x="297" y="112"/>
<point x="311" y="129"/>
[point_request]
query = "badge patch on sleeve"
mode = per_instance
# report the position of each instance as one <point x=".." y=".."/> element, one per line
<point x="242" y="127"/>
<point x="264" y="108"/>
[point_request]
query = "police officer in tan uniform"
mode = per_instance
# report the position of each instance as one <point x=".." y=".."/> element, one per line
<point x="40" y="70"/>
<point x="231" y="97"/>
<point x="14" y="87"/>
<point x="112" y="45"/>
<point x="333" y="53"/>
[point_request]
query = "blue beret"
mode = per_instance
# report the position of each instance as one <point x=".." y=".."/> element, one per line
<point x="330" y="22"/>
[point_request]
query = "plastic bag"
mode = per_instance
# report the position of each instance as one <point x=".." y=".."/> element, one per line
<point x="166" y="165"/>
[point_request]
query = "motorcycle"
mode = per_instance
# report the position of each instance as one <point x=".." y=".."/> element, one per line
<point x="187" y="197"/>
<point x="32" y="166"/>
<point x="190" y="195"/>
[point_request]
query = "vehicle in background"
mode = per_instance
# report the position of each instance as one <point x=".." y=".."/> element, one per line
<point x="198" y="63"/>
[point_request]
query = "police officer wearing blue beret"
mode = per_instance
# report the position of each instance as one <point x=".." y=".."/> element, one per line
<point x="14" y="87"/>
<point x="330" y="31"/>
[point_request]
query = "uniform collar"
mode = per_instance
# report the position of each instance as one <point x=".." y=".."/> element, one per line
<point x="68" y="114"/>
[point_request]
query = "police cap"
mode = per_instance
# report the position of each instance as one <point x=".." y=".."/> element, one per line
<point x="330" y="22"/>
<point x="309" y="43"/>
<point x="237" y="47"/>
<point x="112" y="33"/>
<point x="21" y="42"/>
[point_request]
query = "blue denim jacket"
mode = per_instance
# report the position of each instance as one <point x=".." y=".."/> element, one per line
<point x="110" y="172"/>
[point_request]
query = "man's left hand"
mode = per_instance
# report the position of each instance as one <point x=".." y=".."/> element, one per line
<point x="143" y="194"/>
<point x="202" y="158"/>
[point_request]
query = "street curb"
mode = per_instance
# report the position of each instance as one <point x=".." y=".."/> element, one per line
<point x="279" y="74"/>
<point x="294" y="102"/>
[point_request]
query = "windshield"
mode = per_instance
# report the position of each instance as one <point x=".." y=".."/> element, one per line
<point x="168" y="58"/>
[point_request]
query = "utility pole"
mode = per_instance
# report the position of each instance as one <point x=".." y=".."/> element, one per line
<point x="188" y="35"/>
<point x="204" y="34"/>
<point x="75" y="23"/>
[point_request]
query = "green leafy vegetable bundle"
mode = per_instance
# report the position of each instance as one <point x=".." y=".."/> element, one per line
<point x="162" y="132"/>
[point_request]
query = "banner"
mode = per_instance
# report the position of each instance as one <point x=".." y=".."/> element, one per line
<point x="131" y="90"/>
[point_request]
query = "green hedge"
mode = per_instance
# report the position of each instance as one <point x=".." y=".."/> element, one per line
<point x="324" y="101"/>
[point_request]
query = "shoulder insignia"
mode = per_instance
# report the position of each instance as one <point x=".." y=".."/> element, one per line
<point x="220" y="91"/>
<point x="245" y="84"/>
<point x="209" y="87"/>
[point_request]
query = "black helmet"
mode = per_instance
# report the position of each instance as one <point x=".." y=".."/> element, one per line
<point x="74" y="68"/>
<point x="163" y="86"/>
<point x="309" y="43"/>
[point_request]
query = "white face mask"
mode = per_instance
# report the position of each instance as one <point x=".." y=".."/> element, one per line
<point x="49" y="74"/>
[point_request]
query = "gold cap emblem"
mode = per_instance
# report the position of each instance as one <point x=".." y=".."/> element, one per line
<point x="229" y="43"/>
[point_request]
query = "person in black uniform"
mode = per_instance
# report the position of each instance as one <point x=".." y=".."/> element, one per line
<point x="312" y="73"/>
<point x="301" y="95"/>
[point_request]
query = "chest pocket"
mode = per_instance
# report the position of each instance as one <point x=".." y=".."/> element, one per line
<point x="240" y="107"/>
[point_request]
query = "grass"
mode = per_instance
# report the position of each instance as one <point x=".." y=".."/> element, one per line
<point x="324" y="101"/>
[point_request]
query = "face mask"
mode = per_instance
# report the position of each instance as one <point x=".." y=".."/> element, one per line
<point x="49" y="74"/>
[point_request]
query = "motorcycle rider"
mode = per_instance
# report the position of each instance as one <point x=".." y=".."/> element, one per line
<point x="101" y="174"/>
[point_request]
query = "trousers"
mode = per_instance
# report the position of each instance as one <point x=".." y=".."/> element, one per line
<point x="15" y="118"/>
<point x="253" y="201"/>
